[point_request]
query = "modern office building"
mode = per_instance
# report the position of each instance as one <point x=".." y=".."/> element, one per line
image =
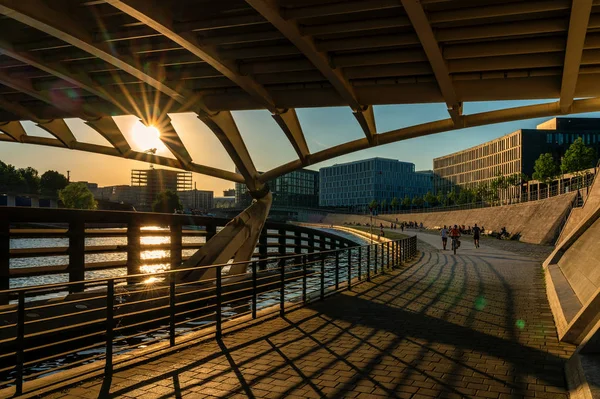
<point x="356" y="184"/>
<point x="514" y="153"/>
<point x="229" y="193"/>
<point x="201" y="200"/>
<point x="153" y="181"/>
<point x="297" y="189"/>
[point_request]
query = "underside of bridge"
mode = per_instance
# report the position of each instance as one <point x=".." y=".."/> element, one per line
<point x="95" y="59"/>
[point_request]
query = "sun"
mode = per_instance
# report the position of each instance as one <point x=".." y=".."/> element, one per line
<point x="146" y="137"/>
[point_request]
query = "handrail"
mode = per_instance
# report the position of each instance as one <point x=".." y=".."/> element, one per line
<point x="130" y="256"/>
<point x="293" y="280"/>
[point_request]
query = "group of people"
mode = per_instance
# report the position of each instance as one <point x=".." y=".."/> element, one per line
<point x="456" y="232"/>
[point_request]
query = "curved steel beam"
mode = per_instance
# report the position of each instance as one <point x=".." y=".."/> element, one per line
<point x="578" y="25"/>
<point x="421" y="25"/>
<point x="444" y="125"/>
<point x="158" y="17"/>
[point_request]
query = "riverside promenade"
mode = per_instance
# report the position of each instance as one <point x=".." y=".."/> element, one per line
<point x="472" y="325"/>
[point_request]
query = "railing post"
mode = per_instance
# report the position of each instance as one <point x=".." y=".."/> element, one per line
<point x="262" y="249"/>
<point x="172" y="299"/>
<point x="176" y="246"/>
<point x="375" y="248"/>
<point x="133" y="247"/>
<point x="389" y="262"/>
<point x="382" y="259"/>
<point x="298" y="246"/>
<point x="281" y="241"/>
<point x="349" y="269"/>
<point x="337" y="269"/>
<point x="76" y="266"/>
<point x="110" y="312"/>
<point x="311" y="244"/>
<point x="322" y="276"/>
<point x="254" y="288"/>
<point x="304" y="275"/>
<point x="369" y="262"/>
<point x="4" y="259"/>
<point x="20" y="338"/>
<point x="282" y="289"/>
<point x="211" y="230"/>
<point x="359" y="263"/>
<point x="219" y="287"/>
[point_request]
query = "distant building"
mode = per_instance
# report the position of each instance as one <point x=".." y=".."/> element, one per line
<point x="296" y="189"/>
<point x="154" y="181"/>
<point x="196" y="199"/>
<point x="229" y="193"/>
<point x="121" y="194"/>
<point x="356" y="184"/>
<point x="224" y="202"/>
<point x="514" y="153"/>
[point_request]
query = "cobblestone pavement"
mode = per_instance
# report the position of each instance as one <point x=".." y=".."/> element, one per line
<point x="472" y="325"/>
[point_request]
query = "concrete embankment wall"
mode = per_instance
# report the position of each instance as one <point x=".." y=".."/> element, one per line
<point x="578" y="215"/>
<point x="537" y="222"/>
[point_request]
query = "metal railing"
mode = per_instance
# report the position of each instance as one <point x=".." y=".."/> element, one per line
<point x="114" y="316"/>
<point x="83" y="244"/>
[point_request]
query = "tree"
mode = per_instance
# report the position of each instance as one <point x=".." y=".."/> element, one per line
<point x="406" y="202"/>
<point x="430" y="199"/>
<point x="517" y="180"/>
<point x="545" y="168"/>
<point x="452" y="197"/>
<point x="373" y="205"/>
<point x="417" y="202"/>
<point x="394" y="204"/>
<point x="167" y="202"/>
<point x="77" y="196"/>
<point x="578" y="158"/>
<point x="10" y="178"/>
<point x="31" y="180"/>
<point x="51" y="182"/>
<point x="383" y="205"/>
<point x="441" y="199"/>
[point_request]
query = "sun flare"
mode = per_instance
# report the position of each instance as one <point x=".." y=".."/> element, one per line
<point x="146" y="137"/>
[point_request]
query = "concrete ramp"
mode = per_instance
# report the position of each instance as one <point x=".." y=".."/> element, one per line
<point x="573" y="275"/>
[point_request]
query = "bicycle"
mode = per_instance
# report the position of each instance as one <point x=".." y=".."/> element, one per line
<point x="455" y="244"/>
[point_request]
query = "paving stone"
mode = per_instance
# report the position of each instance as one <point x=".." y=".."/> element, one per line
<point x="476" y="324"/>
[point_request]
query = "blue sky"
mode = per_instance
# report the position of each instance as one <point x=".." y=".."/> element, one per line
<point x="269" y="147"/>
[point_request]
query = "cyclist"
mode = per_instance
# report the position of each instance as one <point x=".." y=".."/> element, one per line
<point x="454" y="235"/>
<point x="476" y="232"/>
<point x="444" y="236"/>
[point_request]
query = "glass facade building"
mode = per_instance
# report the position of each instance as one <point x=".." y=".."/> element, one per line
<point x="297" y="189"/>
<point x="513" y="153"/>
<point x="356" y="184"/>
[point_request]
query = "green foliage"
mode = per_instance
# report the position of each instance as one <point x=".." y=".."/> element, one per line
<point x="31" y="180"/>
<point x="452" y="197"/>
<point x="578" y="158"/>
<point x="51" y="182"/>
<point x="406" y="202"/>
<point x="430" y="199"/>
<point x="442" y="199"/>
<point x="417" y="202"/>
<point x="394" y="204"/>
<point x="545" y="168"/>
<point x="167" y="202"/>
<point x="373" y="204"/>
<point x="383" y="205"/>
<point x="77" y="196"/>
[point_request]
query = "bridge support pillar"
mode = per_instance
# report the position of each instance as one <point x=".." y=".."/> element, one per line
<point x="236" y="240"/>
<point x="10" y="200"/>
<point x="35" y="202"/>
